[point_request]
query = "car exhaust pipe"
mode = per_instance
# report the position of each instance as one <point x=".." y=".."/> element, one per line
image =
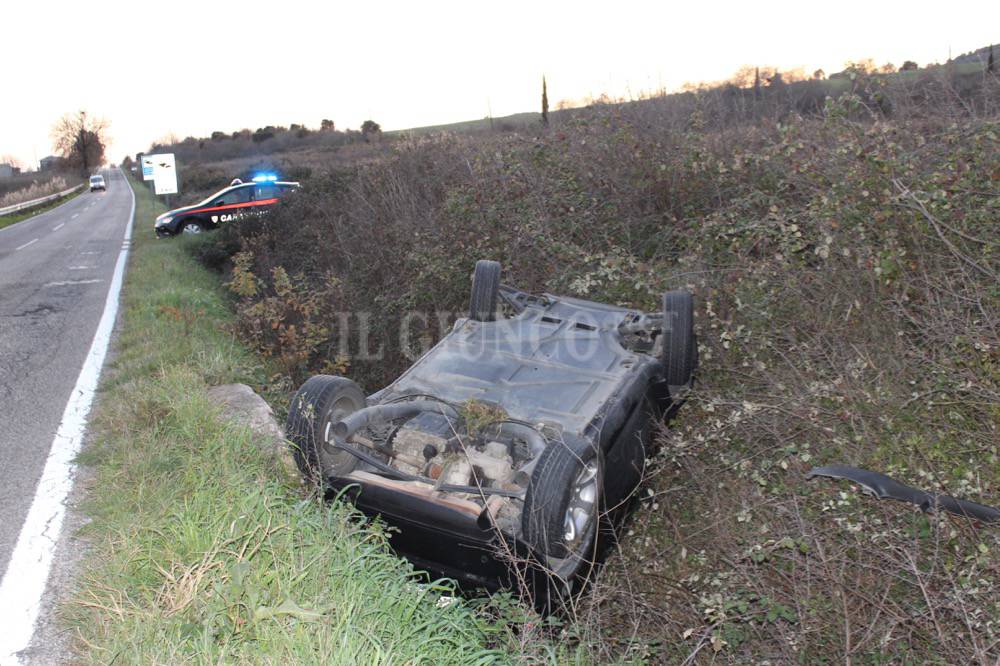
<point x="354" y="422"/>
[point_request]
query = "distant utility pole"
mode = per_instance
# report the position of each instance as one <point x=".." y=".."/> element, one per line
<point x="489" y="113"/>
<point x="756" y="83"/>
<point x="545" y="103"/>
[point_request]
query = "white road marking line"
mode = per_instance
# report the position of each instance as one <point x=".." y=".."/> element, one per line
<point x="90" y="252"/>
<point x="63" y="283"/>
<point x="28" y="571"/>
<point x="58" y="226"/>
<point x="79" y="268"/>
<point x="73" y="215"/>
<point x="21" y="247"/>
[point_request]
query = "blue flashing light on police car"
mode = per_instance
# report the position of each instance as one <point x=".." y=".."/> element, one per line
<point x="265" y="178"/>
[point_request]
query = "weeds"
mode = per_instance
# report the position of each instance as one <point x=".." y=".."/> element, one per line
<point x="845" y="268"/>
<point x="201" y="552"/>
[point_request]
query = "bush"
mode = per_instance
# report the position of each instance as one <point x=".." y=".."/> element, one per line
<point x="845" y="268"/>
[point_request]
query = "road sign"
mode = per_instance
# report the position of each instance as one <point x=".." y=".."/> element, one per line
<point x="164" y="173"/>
<point x="147" y="167"/>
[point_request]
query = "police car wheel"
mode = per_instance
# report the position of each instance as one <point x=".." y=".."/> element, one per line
<point x="193" y="228"/>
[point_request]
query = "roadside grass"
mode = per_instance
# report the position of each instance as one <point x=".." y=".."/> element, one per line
<point x="844" y="268"/>
<point x="14" y="218"/>
<point x="203" y="550"/>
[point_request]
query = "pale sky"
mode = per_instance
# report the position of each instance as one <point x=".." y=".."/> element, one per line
<point x="161" y="66"/>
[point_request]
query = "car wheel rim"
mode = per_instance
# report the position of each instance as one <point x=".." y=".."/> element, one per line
<point x="582" y="504"/>
<point x="192" y="229"/>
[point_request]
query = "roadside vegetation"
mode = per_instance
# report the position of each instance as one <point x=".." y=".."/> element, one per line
<point x="203" y="549"/>
<point x="16" y="185"/>
<point x="12" y="218"/>
<point x="845" y="257"/>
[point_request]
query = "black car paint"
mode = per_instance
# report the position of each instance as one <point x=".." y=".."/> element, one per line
<point x="450" y="543"/>
<point x="209" y="215"/>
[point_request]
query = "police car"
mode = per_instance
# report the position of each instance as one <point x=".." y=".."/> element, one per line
<point x="232" y="204"/>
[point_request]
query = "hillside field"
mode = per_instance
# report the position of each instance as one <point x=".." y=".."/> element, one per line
<point x="845" y="260"/>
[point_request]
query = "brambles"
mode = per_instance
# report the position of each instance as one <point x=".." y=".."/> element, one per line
<point x="843" y="265"/>
<point x="282" y="318"/>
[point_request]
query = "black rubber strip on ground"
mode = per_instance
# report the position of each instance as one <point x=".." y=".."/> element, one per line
<point x="885" y="487"/>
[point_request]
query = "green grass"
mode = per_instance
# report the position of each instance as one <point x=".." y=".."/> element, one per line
<point x="14" y="218"/>
<point x="203" y="549"/>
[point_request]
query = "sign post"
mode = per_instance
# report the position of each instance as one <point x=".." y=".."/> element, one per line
<point x="162" y="170"/>
<point x="146" y="163"/>
<point x="146" y="169"/>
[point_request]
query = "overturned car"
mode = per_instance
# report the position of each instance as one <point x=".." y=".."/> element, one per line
<point x="513" y="441"/>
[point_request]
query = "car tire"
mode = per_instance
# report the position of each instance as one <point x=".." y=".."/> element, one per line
<point x="564" y="500"/>
<point x="192" y="227"/>
<point x="485" y="291"/>
<point x="320" y="403"/>
<point x="680" y="347"/>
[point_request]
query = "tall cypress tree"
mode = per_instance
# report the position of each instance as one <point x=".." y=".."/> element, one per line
<point x="756" y="83"/>
<point x="545" y="103"/>
<point x="989" y="62"/>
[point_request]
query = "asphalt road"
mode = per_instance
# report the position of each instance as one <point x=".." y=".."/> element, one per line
<point x="55" y="271"/>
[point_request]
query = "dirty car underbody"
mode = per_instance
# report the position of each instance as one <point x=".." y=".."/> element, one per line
<point x="510" y="439"/>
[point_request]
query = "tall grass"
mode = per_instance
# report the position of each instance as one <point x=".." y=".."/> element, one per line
<point x="202" y="551"/>
<point x="845" y="265"/>
<point x="35" y="190"/>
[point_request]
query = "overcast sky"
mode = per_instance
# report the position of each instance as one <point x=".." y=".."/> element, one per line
<point x="192" y="67"/>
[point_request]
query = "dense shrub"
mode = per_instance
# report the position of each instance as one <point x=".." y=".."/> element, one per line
<point x="846" y="270"/>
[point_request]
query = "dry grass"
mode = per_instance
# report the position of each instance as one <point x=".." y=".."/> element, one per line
<point x="845" y="271"/>
<point x="36" y="190"/>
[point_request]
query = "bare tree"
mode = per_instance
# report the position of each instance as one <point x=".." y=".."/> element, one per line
<point x="12" y="161"/>
<point x="80" y="139"/>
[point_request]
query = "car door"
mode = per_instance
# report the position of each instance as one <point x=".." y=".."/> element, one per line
<point x="231" y="205"/>
<point x="265" y="195"/>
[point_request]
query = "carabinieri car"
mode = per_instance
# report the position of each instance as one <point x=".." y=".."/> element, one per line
<point x="228" y="205"/>
<point x="502" y="449"/>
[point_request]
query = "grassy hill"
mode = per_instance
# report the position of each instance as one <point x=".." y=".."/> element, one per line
<point x="845" y="259"/>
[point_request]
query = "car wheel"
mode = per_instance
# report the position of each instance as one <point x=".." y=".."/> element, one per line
<point x="680" y="347"/>
<point x="318" y="405"/>
<point x="563" y="501"/>
<point x="192" y="227"/>
<point x="485" y="288"/>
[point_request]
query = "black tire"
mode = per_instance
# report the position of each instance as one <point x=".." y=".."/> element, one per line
<point x="485" y="290"/>
<point x="320" y="403"/>
<point x="193" y="227"/>
<point x="554" y="485"/>
<point x="680" y="348"/>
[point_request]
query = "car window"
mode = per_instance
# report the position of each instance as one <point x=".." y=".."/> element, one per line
<point x="262" y="192"/>
<point x="233" y="196"/>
